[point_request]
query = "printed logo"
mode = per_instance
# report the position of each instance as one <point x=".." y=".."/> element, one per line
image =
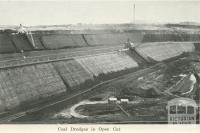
<point x="182" y="111"/>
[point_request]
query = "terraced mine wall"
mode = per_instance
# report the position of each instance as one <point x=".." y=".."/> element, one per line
<point x="64" y="39"/>
<point x="160" y="51"/>
<point x="33" y="83"/>
<point x="28" y="83"/>
<point x="6" y="44"/>
<point x="36" y="82"/>
<point x="174" y="35"/>
<point x="113" y="38"/>
<point x="11" y="42"/>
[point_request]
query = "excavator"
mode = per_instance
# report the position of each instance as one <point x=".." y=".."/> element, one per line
<point x="23" y="30"/>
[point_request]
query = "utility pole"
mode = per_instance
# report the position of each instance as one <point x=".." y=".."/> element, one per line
<point x="134" y="13"/>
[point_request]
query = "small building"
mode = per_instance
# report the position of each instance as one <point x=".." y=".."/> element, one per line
<point x="124" y="101"/>
<point x="112" y="100"/>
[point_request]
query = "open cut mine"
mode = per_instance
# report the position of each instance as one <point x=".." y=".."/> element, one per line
<point x="99" y="75"/>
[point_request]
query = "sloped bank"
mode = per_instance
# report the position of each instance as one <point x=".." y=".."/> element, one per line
<point x="11" y="42"/>
<point x="160" y="51"/>
<point x="19" y="85"/>
<point x="31" y="84"/>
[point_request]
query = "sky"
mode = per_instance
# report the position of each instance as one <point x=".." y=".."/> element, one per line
<point x="58" y="12"/>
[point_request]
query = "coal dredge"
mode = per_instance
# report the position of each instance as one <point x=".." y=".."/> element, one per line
<point x="117" y="73"/>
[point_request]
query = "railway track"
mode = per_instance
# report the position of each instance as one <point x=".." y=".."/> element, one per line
<point x="123" y="110"/>
<point x="23" y="59"/>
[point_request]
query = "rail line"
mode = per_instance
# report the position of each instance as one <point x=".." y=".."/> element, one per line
<point x="30" y="60"/>
<point x="124" y="111"/>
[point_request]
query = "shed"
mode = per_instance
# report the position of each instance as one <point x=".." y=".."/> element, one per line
<point x="124" y="101"/>
<point x="112" y="100"/>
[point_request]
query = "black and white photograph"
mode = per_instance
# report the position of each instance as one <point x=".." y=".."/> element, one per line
<point x="99" y="62"/>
